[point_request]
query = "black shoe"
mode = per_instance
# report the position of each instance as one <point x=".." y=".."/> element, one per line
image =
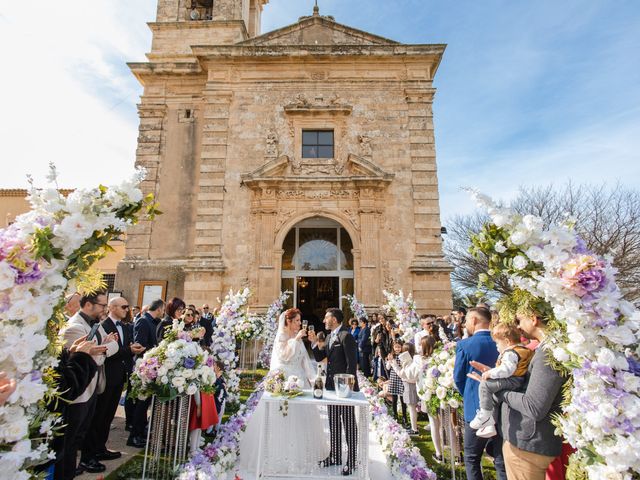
<point x="438" y="458"/>
<point x="128" y="428"/>
<point x="108" y="455"/>
<point x="347" y="470"/>
<point x="93" y="466"/>
<point x="137" y="442"/>
<point x="329" y="461"/>
<point x="413" y="432"/>
<point x="79" y="471"/>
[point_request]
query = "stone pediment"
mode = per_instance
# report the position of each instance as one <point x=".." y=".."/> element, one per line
<point x="355" y="169"/>
<point x="317" y="30"/>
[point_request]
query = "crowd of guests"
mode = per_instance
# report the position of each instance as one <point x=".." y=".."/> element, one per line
<point x="102" y="340"/>
<point x="510" y="392"/>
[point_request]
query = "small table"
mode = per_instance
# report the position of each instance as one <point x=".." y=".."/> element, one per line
<point x="356" y="400"/>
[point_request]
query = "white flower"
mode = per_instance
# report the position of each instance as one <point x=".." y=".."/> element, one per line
<point x="520" y="262"/>
<point x="7" y="275"/>
<point x="519" y="237"/>
<point x="500" y="247"/>
<point x="606" y="357"/>
<point x="533" y="223"/>
<point x="441" y="392"/>
<point x="561" y="354"/>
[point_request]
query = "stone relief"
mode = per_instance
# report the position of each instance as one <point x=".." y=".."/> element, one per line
<point x="283" y="216"/>
<point x="388" y="282"/>
<point x="364" y="142"/>
<point x="272" y="144"/>
<point x="354" y="216"/>
<point x="300" y="100"/>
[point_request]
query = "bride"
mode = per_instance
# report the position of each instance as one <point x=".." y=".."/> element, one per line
<point x="296" y="441"/>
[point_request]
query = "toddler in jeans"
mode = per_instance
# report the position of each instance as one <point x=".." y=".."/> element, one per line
<point x="508" y="374"/>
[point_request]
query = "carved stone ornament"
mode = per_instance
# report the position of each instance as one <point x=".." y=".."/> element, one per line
<point x="353" y="216"/>
<point x="388" y="281"/>
<point x="283" y="216"/>
<point x="320" y="103"/>
<point x="364" y="142"/>
<point x="272" y="144"/>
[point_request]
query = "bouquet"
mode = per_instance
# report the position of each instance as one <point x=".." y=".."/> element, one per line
<point x="404" y="310"/>
<point x="249" y="327"/>
<point x="176" y="366"/>
<point x="356" y="307"/>
<point x="279" y="386"/>
<point x="436" y="386"/>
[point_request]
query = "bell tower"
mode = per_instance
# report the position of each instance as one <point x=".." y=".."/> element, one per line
<point x="245" y="13"/>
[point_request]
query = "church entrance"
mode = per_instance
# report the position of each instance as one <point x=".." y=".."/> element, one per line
<point x="317" y="266"/>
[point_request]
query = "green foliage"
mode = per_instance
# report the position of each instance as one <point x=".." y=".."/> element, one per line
<point x="41" y="246"/>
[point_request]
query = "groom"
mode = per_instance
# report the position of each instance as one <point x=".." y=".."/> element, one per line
<point x="340" y="350"/>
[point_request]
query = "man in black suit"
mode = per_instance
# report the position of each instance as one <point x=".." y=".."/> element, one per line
<point x="116" y="367"/>
<point x="144" y="334"/>
<point x="364" y="347"/>
<point x="208" y="322"/>
<point x="340" y="350"/>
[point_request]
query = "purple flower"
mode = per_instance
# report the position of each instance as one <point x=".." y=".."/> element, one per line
<point x="435" y="373"/>
<point x="189" y="362"/>
<point x="592" y="280"/>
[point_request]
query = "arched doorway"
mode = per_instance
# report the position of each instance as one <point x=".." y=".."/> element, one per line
<point x="317" y="266"/>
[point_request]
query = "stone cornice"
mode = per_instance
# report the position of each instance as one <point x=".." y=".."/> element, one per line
<point x="199" y="25"/>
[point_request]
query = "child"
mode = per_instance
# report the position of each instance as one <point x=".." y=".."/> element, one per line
<point x="409" y="375"/>
<point x="396" y="387"/>
<point x="378" y="366"/>
<point x="221" y="389"/>
<point x="508" y="374"/>
<point x="203" y="416"/>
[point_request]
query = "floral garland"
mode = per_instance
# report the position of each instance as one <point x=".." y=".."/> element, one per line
<point x="405" y="312"/>
<point x="59" y="239"/>
<point x="249" y="327"/>
<point x="404" y="458"/>
<point x="593" y="334"/>
<point x="270" y="328"/>
<point x="177" y="366"/>
<point x="220" y="458"/>
<point x="223" y="346"/>
<point x="436" y="386"/>
<point x="356" y="307"/>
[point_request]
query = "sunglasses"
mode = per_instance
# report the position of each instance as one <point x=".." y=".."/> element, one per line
<point x="124" y="307"/>
<point x="188" y="314"/>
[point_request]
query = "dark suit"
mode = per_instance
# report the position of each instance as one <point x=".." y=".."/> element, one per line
<point x="341" y="358"/>
<point x="481" y="348"/>
<point x="364" y="347"/>
<point x="144" y="333"/>
<point x="116" y="368"/>
<point x="208" y="322"/>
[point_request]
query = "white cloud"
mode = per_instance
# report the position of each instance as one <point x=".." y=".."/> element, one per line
<point x="64" y="87"/>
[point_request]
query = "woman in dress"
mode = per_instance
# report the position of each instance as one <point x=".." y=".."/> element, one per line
<point x="296" y="441"/>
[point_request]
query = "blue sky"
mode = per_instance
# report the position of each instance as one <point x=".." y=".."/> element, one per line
<point x="529" y="92"/>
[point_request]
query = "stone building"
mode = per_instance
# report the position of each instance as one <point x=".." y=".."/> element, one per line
<point x="300" y="159"/>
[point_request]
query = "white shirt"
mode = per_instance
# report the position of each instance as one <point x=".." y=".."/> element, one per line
<point x="417" y="341"/>
<point x="508" y="363"/>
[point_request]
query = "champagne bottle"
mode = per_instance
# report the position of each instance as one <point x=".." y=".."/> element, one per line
<point x="318" y="384"/>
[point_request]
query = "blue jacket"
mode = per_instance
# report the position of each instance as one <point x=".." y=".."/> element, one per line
<point x="144" y="331"/>
<point x="364" y="340"/>
<point x="481" y="348"/>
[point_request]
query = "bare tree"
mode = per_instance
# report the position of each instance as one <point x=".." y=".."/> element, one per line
<point x="608" y="220"/>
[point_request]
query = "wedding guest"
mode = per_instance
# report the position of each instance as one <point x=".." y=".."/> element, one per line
<point x="425" y="321"/>
<point x="135" y="312"/>
<point x="221" y="389"/>
<point x="173" y="311"/>
<point x="129" y="401"/>
<point x="531" y="443"/>
<point x="409" y="373"/>
<point x="145" y="334"/>
<point x="364" y="347"/>
<point x="429" y="344"/>
<point x="379" y="370"/>
<point x="508" y="374"/>
<point x="479" y="347"/>
<point x="383" y="393"/>
<point x="116" y="369"/>
<point x="396" y="387"/>
<point x="7" y="387"/>
<point x="191" y="324"/>
<point x="456" y="327"/>
<point x="80" y="412"/>
<point x="143" y="310"/>
<point x="207" y="320"/>
<point x="71" y="304"/>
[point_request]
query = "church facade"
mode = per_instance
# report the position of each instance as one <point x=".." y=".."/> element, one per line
<point x="300" y="159"/>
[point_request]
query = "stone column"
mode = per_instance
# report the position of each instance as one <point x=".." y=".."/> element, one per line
<point x="370" y="270"/>
<point x="205" y="270"/>
<point x="431" y="283"/>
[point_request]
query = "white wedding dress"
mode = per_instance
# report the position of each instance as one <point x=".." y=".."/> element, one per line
<point x="296" y="442"/>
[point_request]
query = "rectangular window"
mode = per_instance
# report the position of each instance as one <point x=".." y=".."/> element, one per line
<point x="317" y="144"/>
<point x="110" y="280"/>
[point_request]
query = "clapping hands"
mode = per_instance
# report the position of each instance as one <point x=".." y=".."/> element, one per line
<point x="481" y="367"/>
<point x="7" y="387"/>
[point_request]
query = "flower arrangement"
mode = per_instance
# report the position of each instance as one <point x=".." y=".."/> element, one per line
<point x="177" y="366"/>
<point x="54" y="243"/>
<point x="356" y="307"/>
<point x="270" y="328"/>
<point x="249" y="327"/>
<point x="279" y="386"/>
<point x="223" y="346"/>
<point x="219" y="459"/>
<point x="405" y="459"/>
<point x="404" y="311"/>
<point x="592" y="333"/>
<point x="435" y="385"/>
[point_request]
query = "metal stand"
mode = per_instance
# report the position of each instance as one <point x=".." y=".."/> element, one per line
<point x="451" y="438"/>
<point x="167" y="438"/>
<point x="249" y="354"/>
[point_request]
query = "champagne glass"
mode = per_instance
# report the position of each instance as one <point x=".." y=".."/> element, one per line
<point x="311" y="328"/>
<point x="305" y="324"/>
